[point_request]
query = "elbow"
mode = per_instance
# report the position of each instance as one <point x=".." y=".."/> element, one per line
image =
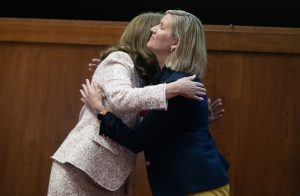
<point x="135" y="149"/>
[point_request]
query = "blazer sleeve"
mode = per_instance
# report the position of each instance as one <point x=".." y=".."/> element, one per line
<point x="152" y="129"/>
<point x="117" y="77"/>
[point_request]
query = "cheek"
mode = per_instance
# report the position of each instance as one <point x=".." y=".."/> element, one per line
<point x="165" y="42"/>
<point x="161" y="43"/>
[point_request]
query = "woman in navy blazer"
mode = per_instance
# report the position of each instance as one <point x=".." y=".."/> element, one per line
<point x="181" y="155"/>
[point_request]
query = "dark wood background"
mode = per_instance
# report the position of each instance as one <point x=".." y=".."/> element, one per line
<point x="255" y="70"/>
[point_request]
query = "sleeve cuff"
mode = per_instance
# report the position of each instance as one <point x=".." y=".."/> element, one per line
<point x="105" y="119"/>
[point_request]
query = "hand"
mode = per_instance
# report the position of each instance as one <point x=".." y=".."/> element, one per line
<point x="215" y="110"/>
<point x="92" y="98"/>
<point x="93" y="65"/>
<point x="191" y="89"/>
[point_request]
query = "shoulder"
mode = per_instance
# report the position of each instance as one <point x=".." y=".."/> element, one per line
<point x="178" y="75"/>
<point x="172" y="75"/>
<point x="115" y="62"/>
<point x="118" y="57"/>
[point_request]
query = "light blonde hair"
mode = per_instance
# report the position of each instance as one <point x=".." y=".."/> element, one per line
<point x="190" y="56"/>
<point x="134" y="42"/>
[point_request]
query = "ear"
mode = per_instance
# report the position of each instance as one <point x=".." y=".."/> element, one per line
<point x="175" y="44"/>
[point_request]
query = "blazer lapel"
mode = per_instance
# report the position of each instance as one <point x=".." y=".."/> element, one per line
<point x="166" y="72"/>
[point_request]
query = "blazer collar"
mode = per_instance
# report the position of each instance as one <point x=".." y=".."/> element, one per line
<point x="166" y="72"/>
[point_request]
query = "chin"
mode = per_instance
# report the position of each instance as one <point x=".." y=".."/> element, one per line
<point x="149" y="44"/>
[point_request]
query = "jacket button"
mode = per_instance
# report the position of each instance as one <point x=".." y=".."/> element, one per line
<point x="148" y="163"/>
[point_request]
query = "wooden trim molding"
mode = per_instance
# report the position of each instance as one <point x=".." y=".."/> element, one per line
<point x="218" y="37"/>
<point x="253" y="39"/>
<point x="60" y="31"/>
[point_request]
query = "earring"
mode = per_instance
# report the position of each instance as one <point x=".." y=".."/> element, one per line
<point x="172" y="49"/>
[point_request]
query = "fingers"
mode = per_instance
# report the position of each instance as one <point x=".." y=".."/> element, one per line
<point x="85" y="89"/>
<point x="82" y="100"/>
<point x="201" y="89"/>
<point x="200" y="93"/>
<point x="96" y="61"/>
<point x="199" y="98"/>
<point x="93" y="65"/>
<point x="215" y="110"/>
<point x="83" y="95"/>
<point x="198" y="84"/>
<point x="216" y="104"/>
<point x="208" y="100"/>
<point x="217" y="101"/>
<point x="218" y="115"/>
<point x="220" y="112"/>
<point x="88" y="85"/>
<point x="191" y="77"/>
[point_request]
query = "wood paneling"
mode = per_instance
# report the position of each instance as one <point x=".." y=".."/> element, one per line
<point x="254" y="70"/>
<point x="40" y="104"/>
<point x="259" y="132"/>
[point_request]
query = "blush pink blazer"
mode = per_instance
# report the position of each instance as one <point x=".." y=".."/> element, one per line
<point x="106" y="162"/>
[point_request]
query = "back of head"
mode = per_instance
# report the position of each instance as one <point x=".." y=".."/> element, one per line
<point x="190" y="55"/>
<point x="137" y="33"/>
<point x="134" y="42"/>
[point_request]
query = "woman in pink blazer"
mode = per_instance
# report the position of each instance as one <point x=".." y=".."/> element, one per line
<point x="86" y="164"/>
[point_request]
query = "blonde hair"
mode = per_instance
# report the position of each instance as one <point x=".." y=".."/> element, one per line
<point x="134" y="42"/>
<point x="190" y="56"/>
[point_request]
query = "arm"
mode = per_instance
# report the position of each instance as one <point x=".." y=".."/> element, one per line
<point x="134" y="139"/>
<point x="116" y="76"/>
<point x="152" y="129"/>
<point x="118" y="80"/>
<point x="182" y="87"/>
<point x="92" y="94"/>
<point x="115" y="129"/>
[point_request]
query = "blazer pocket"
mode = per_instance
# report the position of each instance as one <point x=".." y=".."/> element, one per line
<point x="106" y="143"/>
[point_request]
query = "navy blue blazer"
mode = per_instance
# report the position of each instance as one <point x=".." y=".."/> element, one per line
<point x="181" y="155"/>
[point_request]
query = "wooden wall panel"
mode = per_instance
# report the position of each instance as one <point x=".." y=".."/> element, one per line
<point x="258" y="133"/>
<point x="39" y="105"/>
<point x="254" y="70"/>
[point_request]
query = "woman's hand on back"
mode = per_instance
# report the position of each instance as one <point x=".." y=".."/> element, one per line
<point x="191" y="89"/>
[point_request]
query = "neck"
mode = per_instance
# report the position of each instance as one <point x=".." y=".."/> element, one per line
<point x="162" y="60"/>
<point x="161" y="65"/>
